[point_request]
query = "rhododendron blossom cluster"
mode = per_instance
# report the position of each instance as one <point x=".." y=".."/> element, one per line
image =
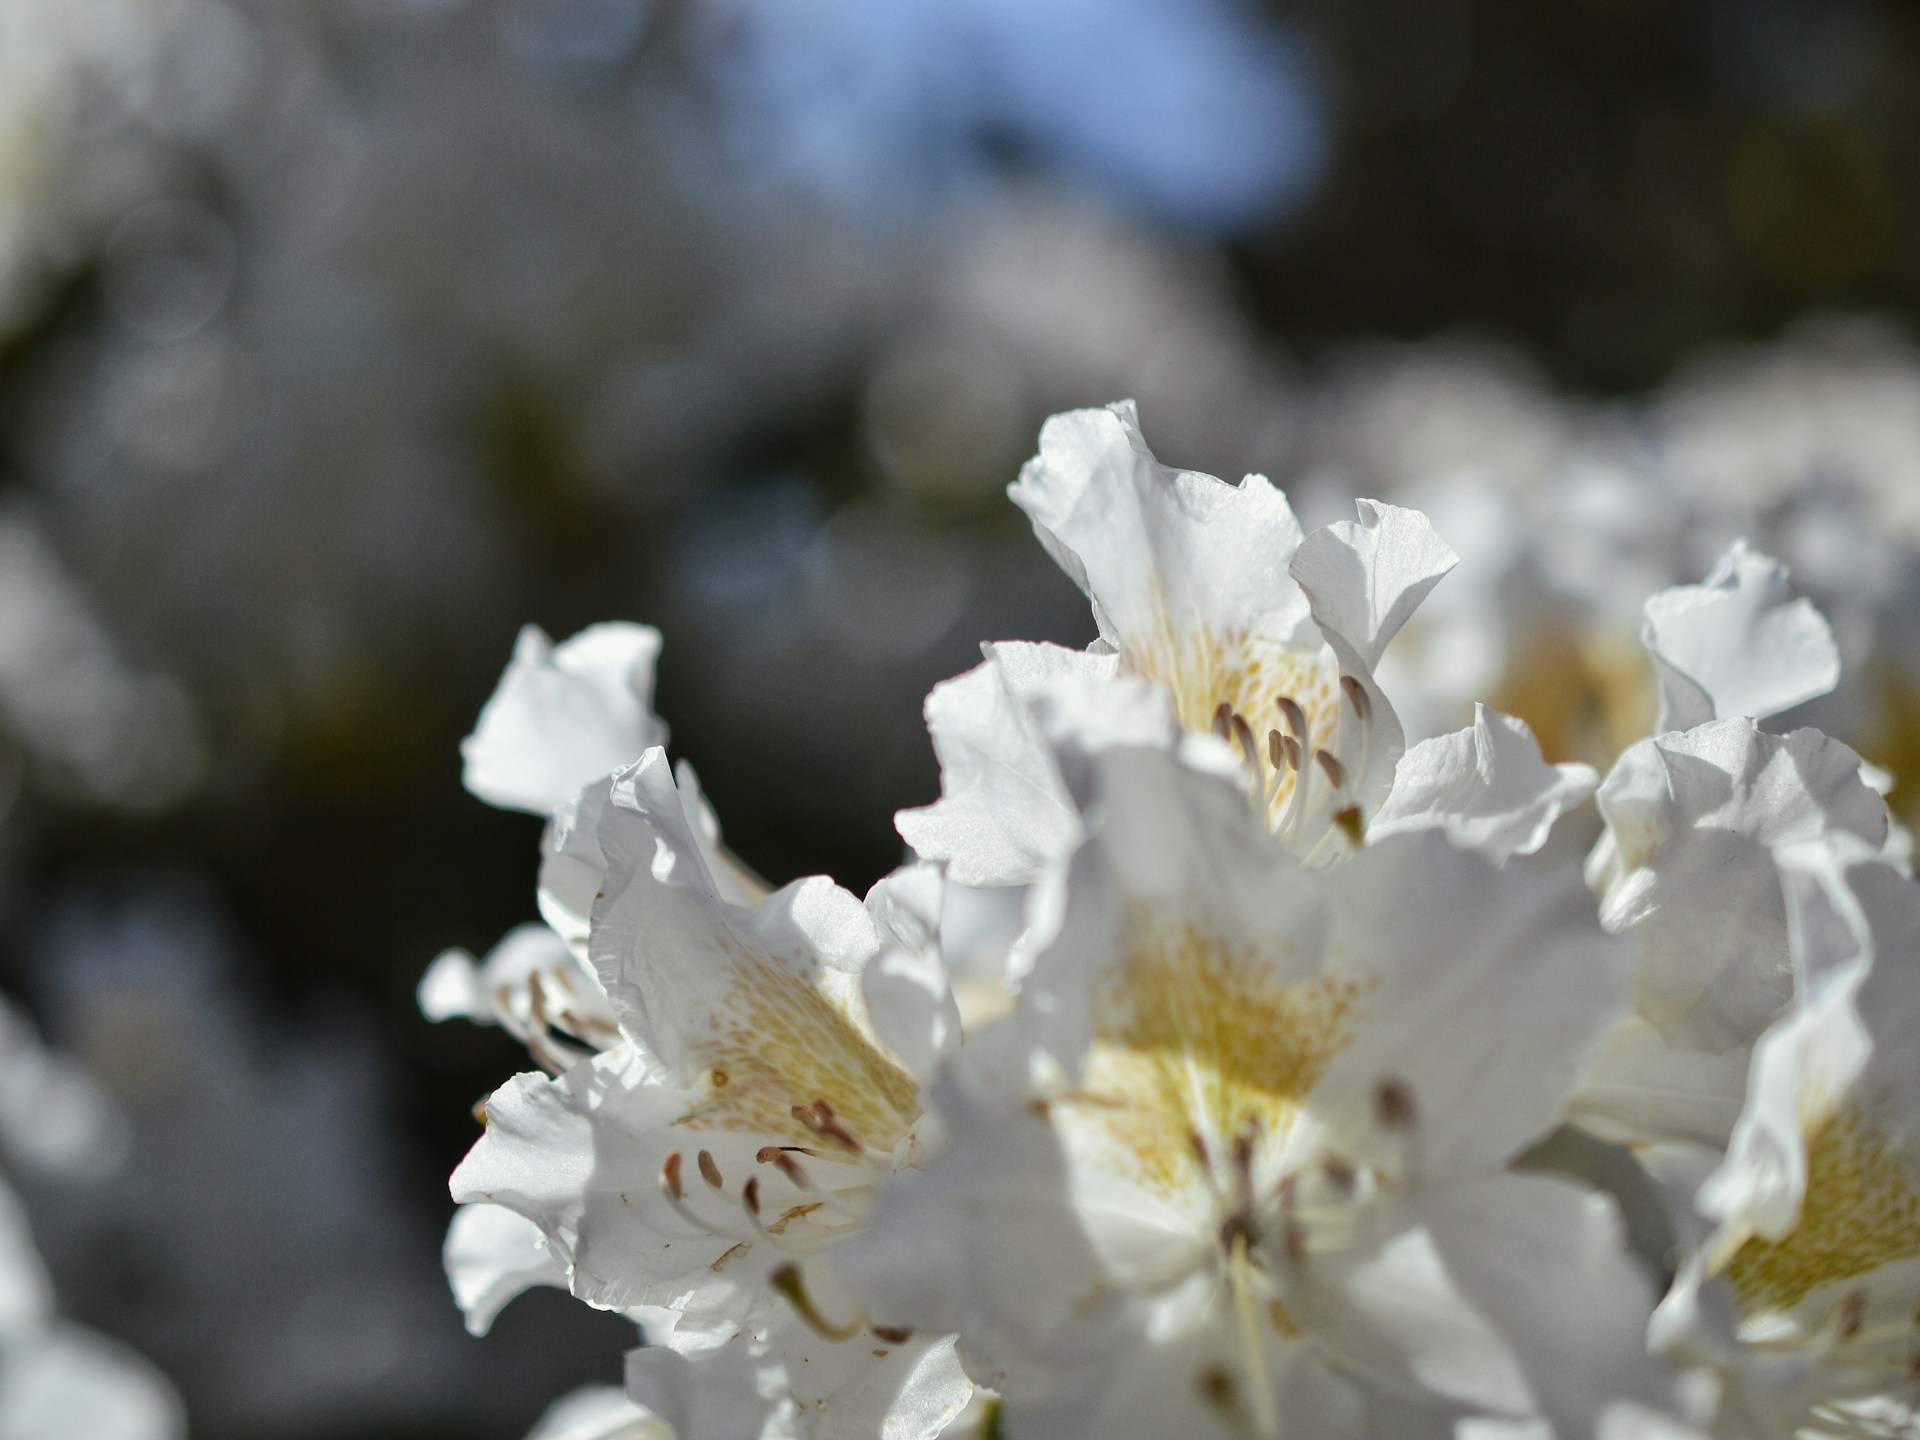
<point x="1313" y="1084"/>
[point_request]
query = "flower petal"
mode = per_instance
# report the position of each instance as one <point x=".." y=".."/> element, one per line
<point x="1486" y="786"/>
<point x="563" y="716"/>
<point x="1737" y="644"/>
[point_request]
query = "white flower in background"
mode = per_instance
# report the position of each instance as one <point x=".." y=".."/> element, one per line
<point x="59" y="1380"/>
<point x="1260" y="634"/>
<point x="1803" y="1299"/>
<point x="59" y="59"/>
<point x="1236" y="1164"/>
<point x="1740" y="643"/>
<point x="765" y="1090"/>
<point x="1685" y="866"/>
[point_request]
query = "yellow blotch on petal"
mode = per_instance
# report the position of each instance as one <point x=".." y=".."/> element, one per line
<point x="1195" y="1038"/>
<point x="1861" y="1212"/>
<point x="779" y="1041"/>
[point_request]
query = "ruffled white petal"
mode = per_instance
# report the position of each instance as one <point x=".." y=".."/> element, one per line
<point x="493" y="1255"/>
<point x="1739" y="644"/>
<point x="1003" y="812"/>
<point x="600" y="1412"/>
<point x="1686" y="869"/>
<point x="1155" y="547"/>
<point x="910" y="1000"/>
<point x="1486" y="786"/>
<point x="563" y="716"/>
<point x="1471" y="1301"/>
<point x="1366" y="577"/>
<point x="1488" y="993"/>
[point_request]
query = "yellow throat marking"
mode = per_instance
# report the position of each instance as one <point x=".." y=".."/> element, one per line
<point x="1861" y="1212"/>
<point x="1207" y="668"/>
<point x="1195" y="1037"/>
<point x="777" y="1041"/>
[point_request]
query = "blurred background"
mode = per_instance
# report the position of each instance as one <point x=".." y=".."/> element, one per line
<point x="338" y="338"/>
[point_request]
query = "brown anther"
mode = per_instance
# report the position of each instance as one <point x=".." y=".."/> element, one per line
<point x="1295" y="717"/>
<point x="1849" y="1313"/>
<point x="750" y="1195"/>
<point x="1243" y="1154"/>
<point x="1223" y="721"/>
<point x="1200" y="1150"/>
<point x="1347" y="817"/>
<point x="1216" y="1388"/>
<point x="892" y="1334"/>
<point x="1340" y="1174"/>
<point x="1276" y="750"/>
<point x="1336" y="772"/>
<point x="670" y="1176"/>
<point x="820" y="1119"/>
<point x="1393" y="1104"/>
<point x="1293" y="1239"/>
<point x="709" y="1171"/>
<point x="1296" y="757"/>
<point x="1243" y="737"/>
<point x="790" y="1167"/>
<point x="1357" y="697"/>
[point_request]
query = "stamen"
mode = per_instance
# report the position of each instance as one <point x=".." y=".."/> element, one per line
<point x="1393" y="1104"/>
<point x="765" y="1154"/>
<point x="892" y="1334"/>
<point x="1357" y="697"/>
<point x="786" y="1279"/>
<point x="1296" y="718"/>
<point x="1277" y="753"/>
<point x="1849" y="1313"/>
<point x="1395" y="1112"/>
<point x="750" y="1197"/>
<point x="1223" y="721"/>
<point x="1243" y="736"/>
<point x="790" y="1167"/>
<point x="1347" y="817"/>
<point x="709" y="1171"/>
<point x="673" y="1188"/>
<point x="1336" y="772"/>
<point x="820" y="1119"/>
<point x="1266" y="1421"/>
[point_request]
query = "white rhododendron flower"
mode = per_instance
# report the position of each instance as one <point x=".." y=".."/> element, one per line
<point x="1802" y="1295"/>
<point x="1685" y="865"/>
<point x="1222" y="1066"/>
<point x="1236" y="1163"/>
<point x="59" y="1379"/>
<point x="1258" y="632"/>
<point x="758" y="1102"/>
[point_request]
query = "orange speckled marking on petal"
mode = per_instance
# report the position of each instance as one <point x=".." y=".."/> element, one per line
<point x="1861" y="1212"/>
<point x="778" y="1041"/>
